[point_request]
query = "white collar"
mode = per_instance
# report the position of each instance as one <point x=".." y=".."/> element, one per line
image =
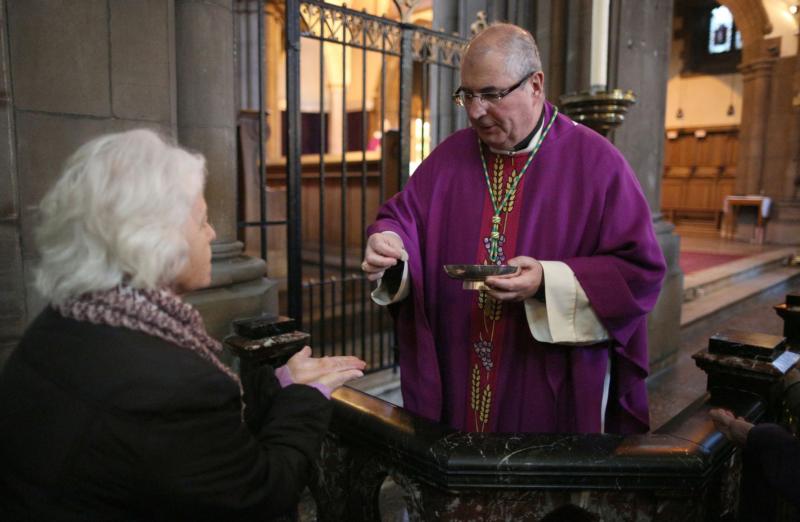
<point x="527" y="149"/>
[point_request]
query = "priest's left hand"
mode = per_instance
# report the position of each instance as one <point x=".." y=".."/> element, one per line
<point x="521" y="285"/>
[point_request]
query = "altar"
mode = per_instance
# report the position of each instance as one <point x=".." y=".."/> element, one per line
<point x="730" y="209"/>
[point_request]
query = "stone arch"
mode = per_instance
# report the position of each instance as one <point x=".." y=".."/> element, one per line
<point x="752" y="20"/>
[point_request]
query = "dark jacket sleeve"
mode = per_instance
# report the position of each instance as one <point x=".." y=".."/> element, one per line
<point x="213" y="464"/>
<point x="260" y="388"/>
<point x="777" y="453"/>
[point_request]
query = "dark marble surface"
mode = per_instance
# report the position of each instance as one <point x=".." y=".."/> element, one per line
<point x="685" y="467"/>
<point x="274" y="350"/>
<point x="677" y="386"/>
<point x="790" y="312"/>
<point x="744" y="343"/>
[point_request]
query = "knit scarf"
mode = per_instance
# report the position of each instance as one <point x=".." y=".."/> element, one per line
<point x="159" y="313"/>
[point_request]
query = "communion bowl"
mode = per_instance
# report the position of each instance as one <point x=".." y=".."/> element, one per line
<point x="474" y="276"/>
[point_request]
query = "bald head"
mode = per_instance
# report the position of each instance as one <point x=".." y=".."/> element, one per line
<point x="506" y="43"/>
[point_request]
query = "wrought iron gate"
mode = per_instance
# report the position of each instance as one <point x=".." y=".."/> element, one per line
<point x="332" y="195"/>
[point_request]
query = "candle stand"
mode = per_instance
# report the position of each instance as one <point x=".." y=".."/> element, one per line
<point x="600" y="110"/>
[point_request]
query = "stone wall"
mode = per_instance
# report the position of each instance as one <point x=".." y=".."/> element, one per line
<point x="74" y="70"/>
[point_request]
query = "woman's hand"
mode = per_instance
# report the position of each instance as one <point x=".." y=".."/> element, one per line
<point x="520" y="285"/>
<point x="734" y="428"/>
<point x="330" y="371"/>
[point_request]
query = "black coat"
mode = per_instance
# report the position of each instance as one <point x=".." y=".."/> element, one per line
<point x="770" y="469"/>
<point x="106" y="423"/>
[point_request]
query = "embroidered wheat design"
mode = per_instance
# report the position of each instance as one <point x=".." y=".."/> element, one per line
<point x="486" y="404"/>
<point x="476" y="387"/>
<point x="497" y="179"/>
<point x="492" y="309"/>
<point x="513" y="193"/>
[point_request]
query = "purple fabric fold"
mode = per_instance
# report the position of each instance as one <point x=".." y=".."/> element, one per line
<point x="582" y="205"/>
<point x="285" y="378"/>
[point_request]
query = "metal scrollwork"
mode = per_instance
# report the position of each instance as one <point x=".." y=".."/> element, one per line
<point x="432" y="48"/>
<point x="347" y="27"/>
<point x="479" y="24"/>
<point x="332" y="23"/>
<point x="406" y="7"/>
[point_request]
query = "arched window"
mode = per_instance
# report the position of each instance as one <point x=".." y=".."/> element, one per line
<point x="723" y="37"/>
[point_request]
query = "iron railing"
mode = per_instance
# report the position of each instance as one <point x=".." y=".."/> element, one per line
<point x="325" y="290"/>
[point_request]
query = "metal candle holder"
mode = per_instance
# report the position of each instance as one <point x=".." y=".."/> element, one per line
<point x="601" y="111"/>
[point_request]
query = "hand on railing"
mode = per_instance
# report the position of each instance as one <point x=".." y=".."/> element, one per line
<point x="734" y="428"/>
<point x="329" y="371"/>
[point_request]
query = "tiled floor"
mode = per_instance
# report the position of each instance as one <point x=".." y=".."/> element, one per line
<point x="717" y="245"/>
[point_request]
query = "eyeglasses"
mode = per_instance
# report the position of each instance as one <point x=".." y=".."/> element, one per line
<point x="463" y="97"/>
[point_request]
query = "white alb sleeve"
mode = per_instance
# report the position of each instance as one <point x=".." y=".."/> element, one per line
<point x="381" y="295"/>
<point x="565" y="316"/>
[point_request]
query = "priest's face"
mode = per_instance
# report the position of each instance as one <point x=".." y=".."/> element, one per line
<point x="501" y="123"/>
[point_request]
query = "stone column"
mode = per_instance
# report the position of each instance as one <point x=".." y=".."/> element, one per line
<point x="639" y="56"/>
<point x="206" y="122"/>
<point x="757" y="80"/>
<point x="12" y="304"/>
<point x="76" y="70"/>
<point x="781" y="154"/>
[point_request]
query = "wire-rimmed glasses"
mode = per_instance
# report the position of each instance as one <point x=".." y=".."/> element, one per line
<point x="462" y="97"/>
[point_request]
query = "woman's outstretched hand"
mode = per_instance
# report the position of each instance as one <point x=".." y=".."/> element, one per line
<point x="329" y="371"/>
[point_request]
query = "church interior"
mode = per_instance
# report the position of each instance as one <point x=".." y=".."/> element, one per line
<point x="312" y="114"/>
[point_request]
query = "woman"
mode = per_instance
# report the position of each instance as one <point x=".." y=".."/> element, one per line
<point x="115" y="405"/>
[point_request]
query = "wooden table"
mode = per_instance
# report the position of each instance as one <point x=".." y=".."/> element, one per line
<point x="731" y="208"/>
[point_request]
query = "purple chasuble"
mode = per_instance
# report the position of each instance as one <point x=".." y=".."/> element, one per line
<point x="580" y="204"/>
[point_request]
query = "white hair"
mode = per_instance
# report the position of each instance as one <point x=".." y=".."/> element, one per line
<point x="116" y="215"/>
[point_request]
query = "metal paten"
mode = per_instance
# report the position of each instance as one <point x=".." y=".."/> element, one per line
<point x="474" y="276"/>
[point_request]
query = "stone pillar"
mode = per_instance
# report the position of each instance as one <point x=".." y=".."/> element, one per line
<point x="756" y="80"/>
<point x="578" y="46"/>
<point x="551" y="33"/>
<point x="76" y="70"/>
<point x="12" y="304"/>
<point x="784" y="222"/>
<point x="639" y="56"/>
<point x="206" y="122"/>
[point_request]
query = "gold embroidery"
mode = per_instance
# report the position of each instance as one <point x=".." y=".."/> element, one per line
<point x="513" y="193"/>
<point x="476" y="386"/>
<point x="497" y="177"/>
<point x="486" y="405"/>
<point x="502" y="194"/>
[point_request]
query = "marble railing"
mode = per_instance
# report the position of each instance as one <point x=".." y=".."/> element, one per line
<point x="684" y="471"/>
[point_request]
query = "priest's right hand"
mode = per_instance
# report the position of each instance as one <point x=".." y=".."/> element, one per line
<point x="383" y="250"/>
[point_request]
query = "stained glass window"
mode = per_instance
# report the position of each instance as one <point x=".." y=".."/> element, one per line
<point x="723" y="36"/>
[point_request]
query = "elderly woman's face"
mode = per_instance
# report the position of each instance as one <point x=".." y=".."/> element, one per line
<point x="196" y="273"/>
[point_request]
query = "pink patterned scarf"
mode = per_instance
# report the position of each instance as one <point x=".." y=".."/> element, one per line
<point x="160" y="313"/>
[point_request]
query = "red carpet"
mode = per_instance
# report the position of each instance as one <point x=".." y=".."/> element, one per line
<point x="696" y="261"/>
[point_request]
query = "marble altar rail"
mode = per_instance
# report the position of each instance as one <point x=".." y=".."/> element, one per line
<point x="684" y="471"/>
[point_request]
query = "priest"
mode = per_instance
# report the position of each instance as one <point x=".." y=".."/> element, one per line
<point x="560" y="346"/>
